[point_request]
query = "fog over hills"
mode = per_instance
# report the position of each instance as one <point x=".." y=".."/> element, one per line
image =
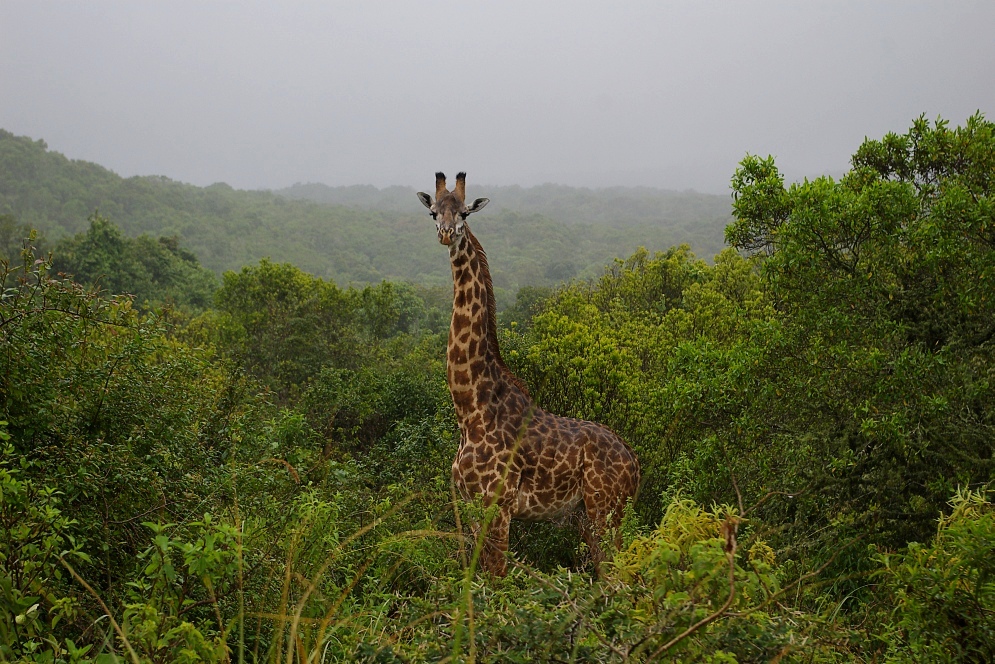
<point x="660" y="94"/>
<point x="616" y="206"/>
<point x="540" y="235"/>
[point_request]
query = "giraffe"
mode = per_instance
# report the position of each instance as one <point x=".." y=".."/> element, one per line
<point x="534" y="465"/>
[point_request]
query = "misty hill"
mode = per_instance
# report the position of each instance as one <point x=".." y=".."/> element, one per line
<point x="356" y="234"/>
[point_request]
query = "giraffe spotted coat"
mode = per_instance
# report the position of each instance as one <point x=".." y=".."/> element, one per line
<point x="535" y="465"/>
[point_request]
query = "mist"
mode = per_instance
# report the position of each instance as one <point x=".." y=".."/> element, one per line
<point x="669" y="95"/>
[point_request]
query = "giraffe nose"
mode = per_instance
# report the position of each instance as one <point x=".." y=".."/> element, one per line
<point x="445" y="238"/>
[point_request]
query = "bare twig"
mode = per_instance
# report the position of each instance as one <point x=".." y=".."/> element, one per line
<point x="771" y="494"/>
<point x="739" y="496"/>
<point x="160" y="506"/>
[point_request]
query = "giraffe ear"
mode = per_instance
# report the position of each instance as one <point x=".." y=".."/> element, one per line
<point x="478" y="205"/>
<point x="425" y="199"/>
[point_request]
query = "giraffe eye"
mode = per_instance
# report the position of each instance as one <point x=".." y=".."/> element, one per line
<point x="435" y="215"/>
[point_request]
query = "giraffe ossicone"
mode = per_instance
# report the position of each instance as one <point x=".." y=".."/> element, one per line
<point x="532" y="464"/>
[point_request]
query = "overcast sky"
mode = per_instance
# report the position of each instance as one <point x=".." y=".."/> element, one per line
<point x="665" y="94"/>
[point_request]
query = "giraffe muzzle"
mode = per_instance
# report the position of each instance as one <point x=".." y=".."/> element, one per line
<point x="448" y="232"/>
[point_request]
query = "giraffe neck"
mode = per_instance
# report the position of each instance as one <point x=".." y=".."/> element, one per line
<point x="475" y="371"/>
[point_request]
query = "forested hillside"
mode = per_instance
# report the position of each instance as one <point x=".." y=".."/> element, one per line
<point x="696" y="214"/>
<point x="539" y="236"/>
<point x="266" y="476"/>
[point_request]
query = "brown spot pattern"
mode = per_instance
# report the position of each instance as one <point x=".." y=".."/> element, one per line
<point x="536" y="465"/>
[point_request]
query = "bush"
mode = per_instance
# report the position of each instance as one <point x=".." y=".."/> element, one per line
<point x="943" y="593"/>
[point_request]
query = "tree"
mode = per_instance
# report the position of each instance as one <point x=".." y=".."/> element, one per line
<point x="285" y="325"/>
<point x="13" y="237"/>
<point x="875" y="381"/>
<point x="154" y="271"/>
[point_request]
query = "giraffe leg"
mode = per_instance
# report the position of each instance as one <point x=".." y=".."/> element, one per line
<point x="495" y="544"/>
<point x="602" y="516"/>
<point x="591" y="530"/>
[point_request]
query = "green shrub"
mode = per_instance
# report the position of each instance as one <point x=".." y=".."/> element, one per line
<point x="943" y="593"/>
<point x="34" y="536"/>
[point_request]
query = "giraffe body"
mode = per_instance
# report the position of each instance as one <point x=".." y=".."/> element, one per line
<point x="535" y="465"/>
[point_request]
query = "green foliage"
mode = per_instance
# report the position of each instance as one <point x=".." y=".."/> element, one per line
<point x="905" y="237"/>
<point x="666" y="595"/>
<point x="270" y="480"/>
<point x="154" y="271"/>
<point x="943" y="594"/>
<point x="285" y="324"/>
<point x="13" y="237"/>
<point x="124" y="421"/>
<point x="178" y="576"/>
<point x="528" y="303"/>
<point x="883" y="282"/>
<point x="35" y="536"/>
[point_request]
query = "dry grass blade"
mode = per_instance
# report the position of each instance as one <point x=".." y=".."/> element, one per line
<point x="107" y="611"/>
<point x="326" y="621"/>
<point x="302" y="602"/>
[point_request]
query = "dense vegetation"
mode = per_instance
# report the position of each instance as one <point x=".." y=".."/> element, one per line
<point x="540" y="236"/>
<point x="267" y="477"/>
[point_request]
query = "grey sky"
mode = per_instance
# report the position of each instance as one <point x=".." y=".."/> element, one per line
<point x="663" y="94"/>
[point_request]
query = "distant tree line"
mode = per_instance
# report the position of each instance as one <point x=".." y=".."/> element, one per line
<point x="542" y="236"/>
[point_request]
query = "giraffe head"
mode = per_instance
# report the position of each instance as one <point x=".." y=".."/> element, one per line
<point x="449" y="208"/>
